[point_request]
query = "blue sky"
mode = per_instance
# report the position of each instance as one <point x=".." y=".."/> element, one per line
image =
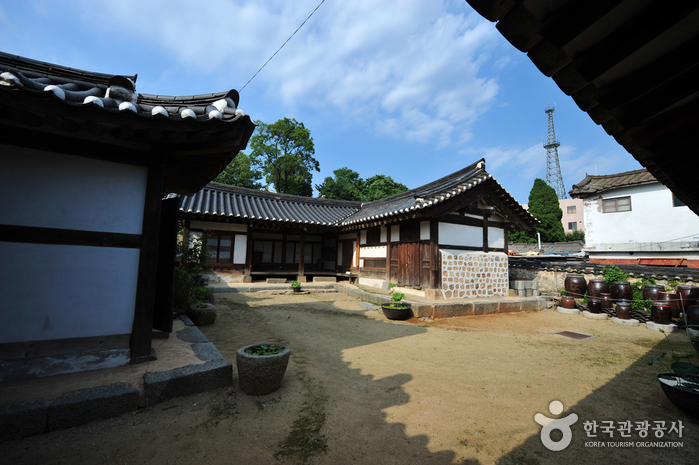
<point x="410" y="88"/>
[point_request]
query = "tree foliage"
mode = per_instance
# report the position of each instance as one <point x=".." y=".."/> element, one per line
<point x="345" y="184"/>
<point x="241" y="172"/>
<point x="381" y="186"/>
<point x="284" y="151"/>
<point x="575" y="235"/>
<point x="544" y="206"/>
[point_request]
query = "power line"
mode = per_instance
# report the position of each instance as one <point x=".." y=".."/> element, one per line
<point x="287" y="40"/>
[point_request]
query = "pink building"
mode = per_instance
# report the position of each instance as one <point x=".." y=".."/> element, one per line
<point x="573" y="218"/>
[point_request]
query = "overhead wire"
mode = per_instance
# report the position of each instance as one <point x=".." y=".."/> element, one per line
<point x="282" y="46"/>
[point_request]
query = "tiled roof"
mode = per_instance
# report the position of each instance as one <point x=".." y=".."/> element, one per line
<point x="598" y="184"/>
<point x="424" y="196"/>
<point x="218" y="200"/>
<point x="49" y="107"/>
<point x="112" y="93"/>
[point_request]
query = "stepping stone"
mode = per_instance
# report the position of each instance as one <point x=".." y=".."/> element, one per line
<point x="630" y="322"/>
<point x="666" y="328"/>
<point x="595" y="316"/>
<point x="568" y="311"/>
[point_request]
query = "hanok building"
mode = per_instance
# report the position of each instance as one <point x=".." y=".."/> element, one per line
<point x="447" y="238"/>
<point x="86" y="240"/>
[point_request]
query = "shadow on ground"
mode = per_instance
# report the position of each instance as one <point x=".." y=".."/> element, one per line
<point x="337" y="412"/>
<point x="633" y="395"/>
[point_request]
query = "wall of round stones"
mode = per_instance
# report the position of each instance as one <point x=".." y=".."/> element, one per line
<point x="474" y="274"/>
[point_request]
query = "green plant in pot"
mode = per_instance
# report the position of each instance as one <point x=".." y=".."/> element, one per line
<point x="681" y="384"/>
<point x="296" y="286"/>
<point x="397" y="309"/>
<point x="261" y="367"/>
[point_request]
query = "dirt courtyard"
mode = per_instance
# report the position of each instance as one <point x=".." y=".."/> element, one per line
<point x="361" y="389"/>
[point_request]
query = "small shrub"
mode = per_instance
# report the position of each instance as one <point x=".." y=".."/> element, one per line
<point x="612" y="274"/>
<point x="265" y="349"/>
<point x="201" y="294"/>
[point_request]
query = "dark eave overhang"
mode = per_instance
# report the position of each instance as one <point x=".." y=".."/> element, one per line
<point x="632" y="65"/>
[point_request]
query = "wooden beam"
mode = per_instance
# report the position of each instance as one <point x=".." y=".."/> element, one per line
<point x="56" y="236"/>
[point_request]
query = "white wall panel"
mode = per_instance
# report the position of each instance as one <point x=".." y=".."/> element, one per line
<point x="460" y="234"/>
<point x="395" y="233"/>
<point x="496" y="238"/>
<point x="240" y="249"/>
<point x="53" y="190"/>
<point x="424" y="230"/>
<point x="61" y="291"/>
<point x="378" y="251"/>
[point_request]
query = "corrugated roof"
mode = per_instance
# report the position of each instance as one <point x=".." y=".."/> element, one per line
<point x="598" y="184"/>
<point x="219" y="200"/>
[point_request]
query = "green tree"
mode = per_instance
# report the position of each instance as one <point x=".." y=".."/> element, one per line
<point x="381" y="186"/>
<point x="284" y="151"/>
<point x="241" y="172"/>
<point x="544" y="206"/>
<point x="575" y="235"/>
<point x="345" y="184"/>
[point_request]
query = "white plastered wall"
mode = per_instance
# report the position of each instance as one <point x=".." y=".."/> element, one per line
<point x="60" y="291"/>
<point x="652" y="228"/>
<point x="460" y="234"/>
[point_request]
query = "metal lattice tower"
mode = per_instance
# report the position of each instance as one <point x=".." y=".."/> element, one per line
<point x="553" y="167"/>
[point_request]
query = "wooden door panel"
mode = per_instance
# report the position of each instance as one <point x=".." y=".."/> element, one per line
<point x="426" y="266"/>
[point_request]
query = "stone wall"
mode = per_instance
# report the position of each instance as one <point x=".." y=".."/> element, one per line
<point x="473" y="274"/>
<point x="550" y="281"/>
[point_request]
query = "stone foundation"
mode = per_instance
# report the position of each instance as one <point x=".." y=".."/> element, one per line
<point x="473" y="274"/>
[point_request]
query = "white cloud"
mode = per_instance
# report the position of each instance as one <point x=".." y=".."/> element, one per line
<point x="409" y="67"/>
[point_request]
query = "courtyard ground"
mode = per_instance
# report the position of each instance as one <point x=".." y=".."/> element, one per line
<point x="362" y="389"/>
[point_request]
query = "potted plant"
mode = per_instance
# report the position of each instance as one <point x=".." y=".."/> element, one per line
<point x="681" y="384"/>
<point x="296" y="286"/>
<point x="261" y="368"/>
<point x="201" y="311"/>
<point x="396" y="310"/>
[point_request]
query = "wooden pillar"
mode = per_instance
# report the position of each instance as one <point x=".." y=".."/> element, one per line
<point x="485" y="233"/>
<point x="167" y="249"/>
<point x="185" y="232"/>
<point x="248" y="256"/>
<point x="436" y="258"/>
<point x="507" y="246"/>
<point x="284" y="239"/>
<point x="302" y="255"/>
<point x="142" y="329"/>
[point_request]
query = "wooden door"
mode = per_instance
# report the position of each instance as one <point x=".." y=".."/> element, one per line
<point x="347" y="255"/>
<point x="405" y="264"/>
<point x="426" y="271"/>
